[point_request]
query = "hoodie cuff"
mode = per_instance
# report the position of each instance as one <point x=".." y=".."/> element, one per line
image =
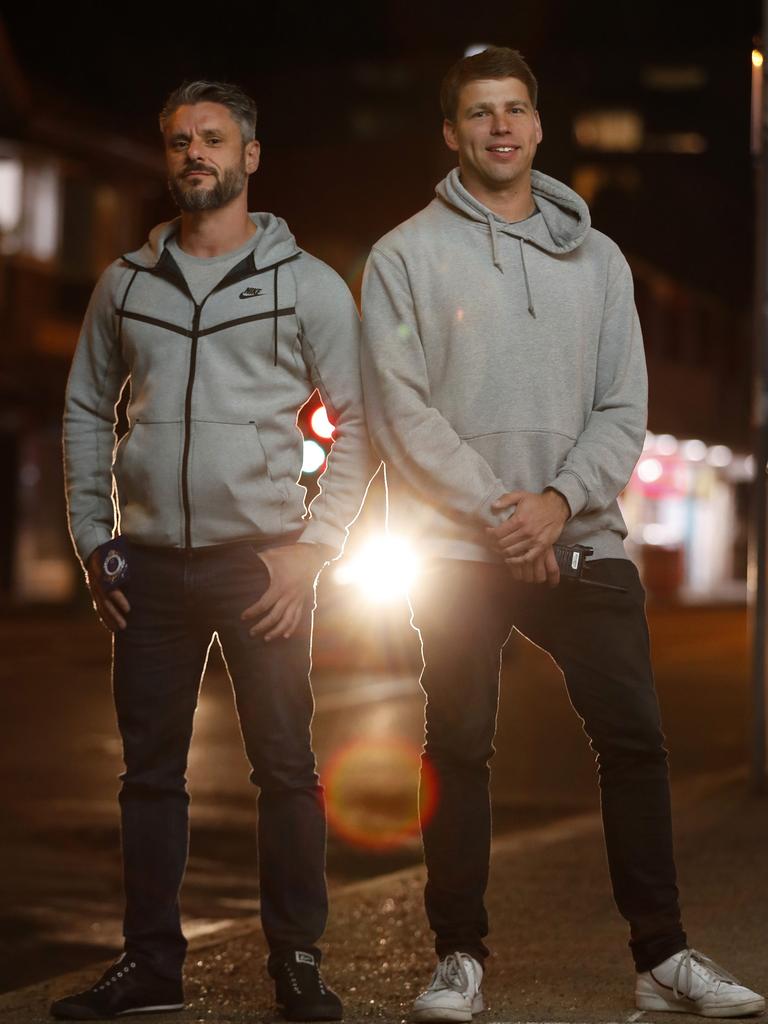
<point x="572" y="489"/>
<point x="88" y="540"/>
<point x="323" y="533"/>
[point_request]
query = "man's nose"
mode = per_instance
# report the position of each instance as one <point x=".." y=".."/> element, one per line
<point x="500" y="124"/>
<point x="195" y="149"/>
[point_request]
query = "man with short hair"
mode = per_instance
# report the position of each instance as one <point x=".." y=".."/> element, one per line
<point x="505" y="387"/>
<point x="222" y="327"/>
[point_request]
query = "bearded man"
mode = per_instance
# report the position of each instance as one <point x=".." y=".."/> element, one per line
<point x="221" y="327"/>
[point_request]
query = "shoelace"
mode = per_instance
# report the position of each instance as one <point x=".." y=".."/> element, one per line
<point x="295" y="982"/>
<point x="119" y="969"/>
<point x="450" y="973"/>
<point x="716" y="973"/>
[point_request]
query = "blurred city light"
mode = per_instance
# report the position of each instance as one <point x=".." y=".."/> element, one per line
<point x="694" y="450"/>
<point x="617" y="131"/>
<point x="43" y="205"/>
<point x="320" y="423"/>
<point x="383" y="570"/>
<point x="649" y="470"/>
<point x="757" y="58"/>
<point x="10" y="194"/>
<point x="661" y="534"/>
<point x="719" y="455"/>
<point x="666" y="444"/>
<point x="314" y="457"/>
<point x="675" y="78"/>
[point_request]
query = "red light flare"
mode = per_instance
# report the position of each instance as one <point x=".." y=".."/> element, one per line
<point x="320" y="423"/>
<point x="370" y="785"/>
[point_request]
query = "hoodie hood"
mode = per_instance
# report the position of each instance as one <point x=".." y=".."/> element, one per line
<point x="564" y="220"/>
<point x="272" y="243"/>
<point x="561" y="228"/>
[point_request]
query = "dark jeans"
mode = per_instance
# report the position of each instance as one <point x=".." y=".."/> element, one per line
<point x="178" y="599"/>
<point x="465" y="612"/>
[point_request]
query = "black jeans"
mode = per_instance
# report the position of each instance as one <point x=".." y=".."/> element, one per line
<point x="178" y="599"/>
<point x="465" y="612"/>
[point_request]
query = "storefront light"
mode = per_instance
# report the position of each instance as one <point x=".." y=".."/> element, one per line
<point x="694" y="451"/>
<point x="649" y="470"/>
<point x="10" y="194"/>
<point x="666" y="444"/>
<point x="719" y="455"/>
<point x="660" y="535"/>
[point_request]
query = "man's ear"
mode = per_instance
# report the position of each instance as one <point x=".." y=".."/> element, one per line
<point x="252" y="155"/>
<point x="449" y="134"/>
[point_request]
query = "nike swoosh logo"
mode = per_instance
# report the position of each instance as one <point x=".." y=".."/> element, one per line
<point x="250" y="293"/>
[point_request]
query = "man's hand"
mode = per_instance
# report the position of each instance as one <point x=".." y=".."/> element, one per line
<point x="111" y="605"/>
<point x="533" y="527"/>
<point x="292" y="570"/>
<point x="543" y="569"/>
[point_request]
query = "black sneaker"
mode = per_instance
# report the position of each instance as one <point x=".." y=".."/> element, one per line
<point x="127" y="987"/>
<point x="300" y="991"/>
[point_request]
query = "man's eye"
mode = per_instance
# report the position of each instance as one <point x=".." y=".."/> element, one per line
<point x="214" y="141"/>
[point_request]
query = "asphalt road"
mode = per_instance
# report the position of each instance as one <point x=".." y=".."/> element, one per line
<point x="60" y="879"/>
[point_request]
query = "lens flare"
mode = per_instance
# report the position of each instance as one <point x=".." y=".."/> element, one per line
<point x="371" y="792"/>
<point x="383" y="570"/>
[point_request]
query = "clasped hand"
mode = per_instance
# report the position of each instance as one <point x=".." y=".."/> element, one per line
<point x="525" y="539"/>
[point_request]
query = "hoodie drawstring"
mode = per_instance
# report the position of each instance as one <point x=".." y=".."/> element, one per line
<point x="497" y="260"/>
<point x="274" y="278"/>
<point x="494" y="243"/>
<point x="531" y="309"/>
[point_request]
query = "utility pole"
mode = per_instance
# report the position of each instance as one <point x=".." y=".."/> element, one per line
<point x="758" y="560"/>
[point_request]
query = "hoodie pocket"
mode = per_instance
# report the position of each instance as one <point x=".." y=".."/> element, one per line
<point x="231" y="489"/>
<point x="147" y="473"/>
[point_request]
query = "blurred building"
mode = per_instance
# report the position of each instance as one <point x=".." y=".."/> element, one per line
<point x="73" y="194"/>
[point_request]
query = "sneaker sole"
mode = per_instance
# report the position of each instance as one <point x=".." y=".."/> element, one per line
<point x="435" y="1013"/>
<point x="745" y="1008"/>
<point x="319" y="1014"/>
<point x="449" y="1013"/>
<point x="84" y="1013"/>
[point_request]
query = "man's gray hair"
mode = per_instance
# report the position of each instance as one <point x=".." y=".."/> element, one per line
<point x="241" y="107"/>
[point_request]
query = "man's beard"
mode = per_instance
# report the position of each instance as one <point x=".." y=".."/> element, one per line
<point x="226" y="188"/>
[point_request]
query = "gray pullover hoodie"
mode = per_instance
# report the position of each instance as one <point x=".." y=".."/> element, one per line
<point x="213" y="453"/>
<point x="502" y="356"/>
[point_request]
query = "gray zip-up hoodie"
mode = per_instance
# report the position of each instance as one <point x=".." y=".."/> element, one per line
<point x="502" y="356"/>
<point x="213" y="453"/>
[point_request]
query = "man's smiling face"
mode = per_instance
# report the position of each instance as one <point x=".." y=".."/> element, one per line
<point x="496" y="133"/>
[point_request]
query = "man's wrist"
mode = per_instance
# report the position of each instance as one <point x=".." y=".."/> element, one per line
<point x="319" y="554"/>
<point x="561" y="502"/>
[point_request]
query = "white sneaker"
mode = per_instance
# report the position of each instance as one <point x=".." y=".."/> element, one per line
<point x="454" y="992"/>
<point x="689" y="982"/>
